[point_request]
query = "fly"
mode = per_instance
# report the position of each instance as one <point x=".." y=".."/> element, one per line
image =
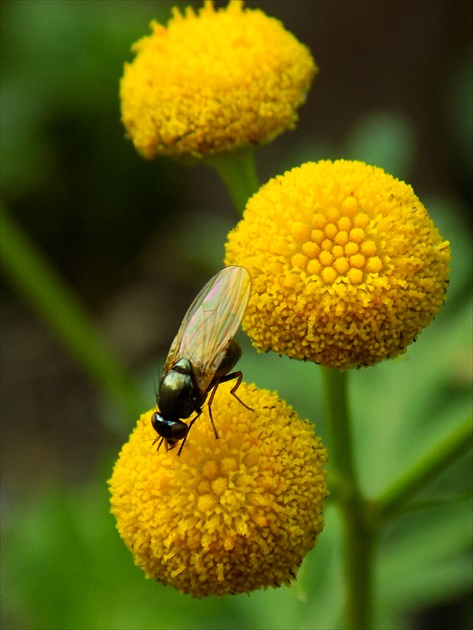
<point x="202" y="355"/>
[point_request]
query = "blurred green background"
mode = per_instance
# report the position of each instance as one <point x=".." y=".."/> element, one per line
<point x="135" y="240"/>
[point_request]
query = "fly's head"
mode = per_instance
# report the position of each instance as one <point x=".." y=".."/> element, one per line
<point x="171" y="431"/>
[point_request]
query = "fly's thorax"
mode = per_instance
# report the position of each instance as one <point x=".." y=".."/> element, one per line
<point x="178" y="394"/>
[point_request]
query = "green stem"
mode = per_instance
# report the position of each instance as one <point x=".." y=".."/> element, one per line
<point x="359" y="536"/>
<point x="428" y="468"/>
<point x="238" y="172"/>
<point x="41" y="286"/>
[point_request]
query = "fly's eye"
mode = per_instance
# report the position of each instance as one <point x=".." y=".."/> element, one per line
<point x="179" y="430"/>
<point x="157" y="421"/>
<point x="169" y="429"/>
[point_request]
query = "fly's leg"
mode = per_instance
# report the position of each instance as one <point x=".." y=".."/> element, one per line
<point x="223" y="379"/>
<point x="239" y="377"/>
<point x="160" y="442"/>
<point x="214" y="389"/>
<point x="199" y="411"/>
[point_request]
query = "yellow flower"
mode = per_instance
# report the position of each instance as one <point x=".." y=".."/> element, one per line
<point x="347" y="267"/>
<point x="213" y="82"/>
<point x="226" y="516"/>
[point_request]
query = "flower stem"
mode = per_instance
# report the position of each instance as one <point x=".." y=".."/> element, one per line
<point x="238" y="172"/>
<point x="359" y="535"/>
<point x="428" y="468"/>
<point x="41" y="286"/>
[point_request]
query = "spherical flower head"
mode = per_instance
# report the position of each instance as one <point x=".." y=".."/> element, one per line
<point x="212" y="82"/>
<point x="226" y="516"/>
<point x="347" y="267"/>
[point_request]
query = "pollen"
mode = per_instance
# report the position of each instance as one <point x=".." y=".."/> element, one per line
<point x="230" y="515"/>
<point x="368" y="267"/>
<point x="213" y="81"/>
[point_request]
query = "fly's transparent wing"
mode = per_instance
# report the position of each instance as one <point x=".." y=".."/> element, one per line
<point x="211" y="323"/>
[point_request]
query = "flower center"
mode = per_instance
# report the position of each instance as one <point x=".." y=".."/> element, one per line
<point x="337" y="245"/>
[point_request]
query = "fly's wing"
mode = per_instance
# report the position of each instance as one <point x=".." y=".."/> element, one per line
<point x="211" y="323"/>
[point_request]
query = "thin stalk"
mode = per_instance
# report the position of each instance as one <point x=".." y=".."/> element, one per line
<point x="238" y="172"/>
<point x="428" y="468"/>
<point x="39" y="284"/>
<point x="359" y="536"/>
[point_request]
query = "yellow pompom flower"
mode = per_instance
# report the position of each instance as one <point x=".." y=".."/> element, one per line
<point x="213" y="81"/>
<point x="347" y="267"/>
<point x="230" y="515"/>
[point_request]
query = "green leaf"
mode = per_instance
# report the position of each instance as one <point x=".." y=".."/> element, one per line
<point x="384" y="139"/>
